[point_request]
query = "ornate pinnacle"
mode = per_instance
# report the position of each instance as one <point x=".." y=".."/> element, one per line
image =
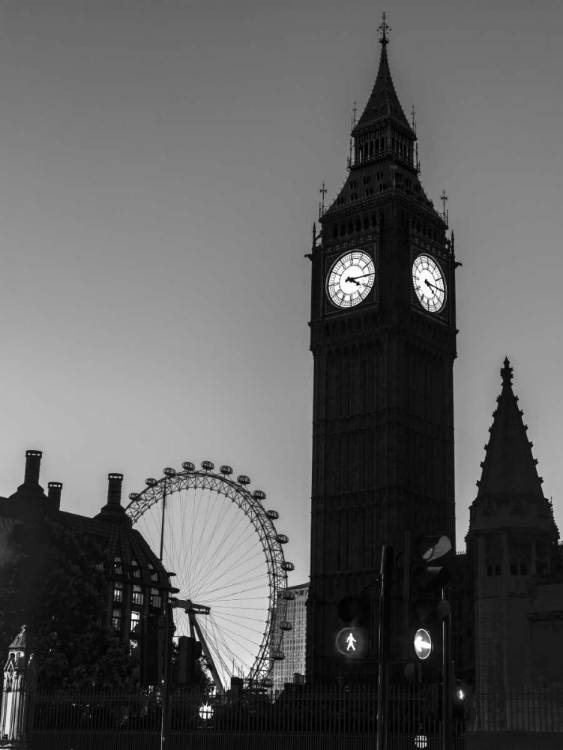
<point x="506" y="373"/>
<point x="323" y="192"/>
<point x="444" y="198"/>
<point x="385" y="29"/>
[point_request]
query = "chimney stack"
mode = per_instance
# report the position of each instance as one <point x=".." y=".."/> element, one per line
<point x="114" y="490"/>
<point x="113" y="511"/>
<point x="32" y="465"/>
<point x="54" y="494"/>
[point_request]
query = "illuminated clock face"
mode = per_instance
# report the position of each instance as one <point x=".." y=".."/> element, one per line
<point x="429" y="283"/>
<point x="350" y="279"/>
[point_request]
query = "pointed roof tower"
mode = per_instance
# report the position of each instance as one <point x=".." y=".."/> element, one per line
<point x="383" y="162"/>
<point x="509" y="467"/>
<point x="383" y="102"/>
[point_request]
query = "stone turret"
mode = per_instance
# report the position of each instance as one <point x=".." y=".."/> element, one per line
<point x="512" y="546"/>
<point x="19" y="681"/>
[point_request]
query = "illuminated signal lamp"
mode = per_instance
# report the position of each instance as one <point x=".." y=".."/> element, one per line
<point x="422" y="643"/>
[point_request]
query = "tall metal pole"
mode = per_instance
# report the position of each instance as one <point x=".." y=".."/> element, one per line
<point x="447" y="682"/>
<point x="162" y="524"/>
<point x="165" y="687"/>
<point x="384" y="647"/>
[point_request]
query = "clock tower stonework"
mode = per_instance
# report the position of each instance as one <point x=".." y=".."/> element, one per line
<point x="383" y="338"/>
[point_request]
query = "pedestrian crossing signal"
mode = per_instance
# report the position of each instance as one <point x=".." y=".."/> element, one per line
<point x="352" y="642"/>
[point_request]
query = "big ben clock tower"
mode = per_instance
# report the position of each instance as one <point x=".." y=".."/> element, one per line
<point x="383" y="337"/>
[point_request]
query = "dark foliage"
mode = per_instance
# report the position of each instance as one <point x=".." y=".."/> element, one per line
<point x="54" y="583"/>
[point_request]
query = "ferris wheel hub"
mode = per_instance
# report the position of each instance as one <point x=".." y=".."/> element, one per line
<point x="188" y="606"/>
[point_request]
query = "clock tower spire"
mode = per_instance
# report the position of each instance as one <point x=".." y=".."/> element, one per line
<point x="383" y="342"/>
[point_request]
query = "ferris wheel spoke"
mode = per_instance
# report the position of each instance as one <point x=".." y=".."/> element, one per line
<point x="242" y="640"/>
<point x="210" y="559"/>
<point x="214" y="561"/>
<point x="236" y="541"/>
<point x="236" y="626"/>
<point x="235" y="575"/>
<point x="230" y="585"/>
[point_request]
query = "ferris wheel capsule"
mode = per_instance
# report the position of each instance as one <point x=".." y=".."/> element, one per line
<point x="169" y="472"/>
<point x="150" y="482"/>
<point x="273" y="515"/>
<point x="207" y="465"/>
<point x="259" y="495"/>
<point x="282" y="538"/>
<point x="188" y="466"/>
<point x="133" y="495"/>
<point x="286" y="565"/>
<point x="278" y="655"/>
<point x="225" y="469"/>
<point x="243" y="479"/>
<point x="288" y="595"/>
<point x="286" y="625"/>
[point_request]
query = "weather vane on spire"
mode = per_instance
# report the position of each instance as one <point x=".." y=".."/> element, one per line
<point x="385" y="29"/>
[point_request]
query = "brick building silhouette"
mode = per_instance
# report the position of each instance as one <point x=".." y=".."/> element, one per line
<point x="138" y="584"/>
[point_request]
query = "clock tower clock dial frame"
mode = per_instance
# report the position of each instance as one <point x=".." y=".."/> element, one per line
<point x="350" y="279"/>
<point x="383" y="459"/>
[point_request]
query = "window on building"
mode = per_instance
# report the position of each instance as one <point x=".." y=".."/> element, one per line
<point x="116" y="619"/>
<point x="137" y="596"/>
<point x="117" y="566"/>
<point x="154" y="572"/>
<point x="156" y="599"/>
<point x="136" y="571"/>
<point x="118" y="591"/>
<point x="135" y="620"/>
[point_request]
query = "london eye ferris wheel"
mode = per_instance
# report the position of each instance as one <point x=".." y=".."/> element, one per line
<point x="221" y="543"/>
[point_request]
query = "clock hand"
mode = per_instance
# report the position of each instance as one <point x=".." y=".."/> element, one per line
<point x="362" y="276"/>
<point x="433" y="286"/>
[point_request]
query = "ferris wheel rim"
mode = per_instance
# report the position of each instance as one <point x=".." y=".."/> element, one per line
<point x="250" y="503"/>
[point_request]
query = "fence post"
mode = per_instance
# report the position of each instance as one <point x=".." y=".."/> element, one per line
<point x="19" y="680"/>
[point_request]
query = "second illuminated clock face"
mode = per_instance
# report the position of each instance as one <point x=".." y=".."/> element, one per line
<point x="429" y="283"/>
<point x="350" y="279"/>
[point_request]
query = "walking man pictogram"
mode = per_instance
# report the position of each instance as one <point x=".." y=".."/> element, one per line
<point x="350" y="642"/>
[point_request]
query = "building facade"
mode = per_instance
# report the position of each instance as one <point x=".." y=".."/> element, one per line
<point x="137" y="583"/>
<point x="295" y="609"/>
<point x="515" y="563"/>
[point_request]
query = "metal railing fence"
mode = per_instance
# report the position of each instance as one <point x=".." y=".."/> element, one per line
<point x="532" y="711"/>
<point x="300" y="718"/>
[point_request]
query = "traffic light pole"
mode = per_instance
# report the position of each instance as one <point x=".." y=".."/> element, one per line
<point x="447" y="682"/>
<point x="384" y="646"/>
<point x="165" y="686"/>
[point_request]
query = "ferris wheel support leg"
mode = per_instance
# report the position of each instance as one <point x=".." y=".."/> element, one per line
<point x="207" y="653"/>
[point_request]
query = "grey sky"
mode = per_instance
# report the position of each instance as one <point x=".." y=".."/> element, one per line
<point x="159" y="174"/>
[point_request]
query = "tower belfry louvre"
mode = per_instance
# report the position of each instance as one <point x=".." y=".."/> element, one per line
<point x="383" y="341"/>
